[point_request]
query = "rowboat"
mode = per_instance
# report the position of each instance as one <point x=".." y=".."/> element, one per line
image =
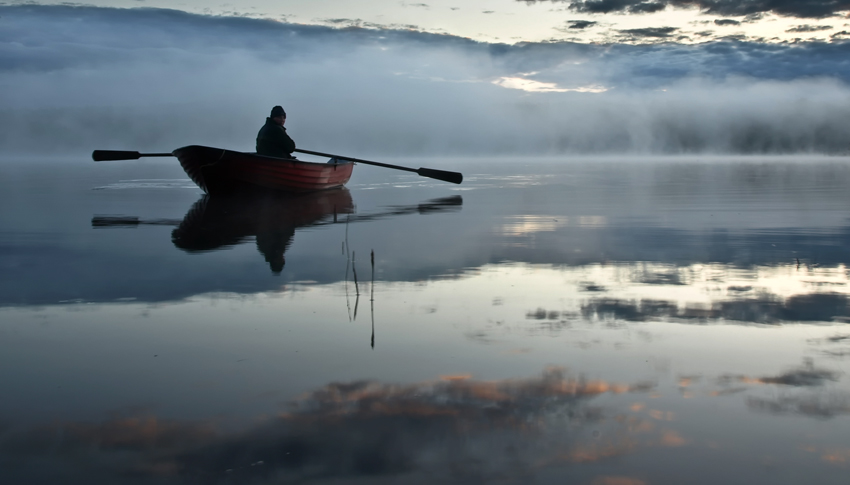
<point x="219" y="171"/>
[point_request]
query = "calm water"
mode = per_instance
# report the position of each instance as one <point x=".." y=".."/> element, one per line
<point x="594" y="322"/>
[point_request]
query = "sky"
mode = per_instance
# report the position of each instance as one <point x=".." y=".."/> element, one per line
<point x="432" y="78"/>
<point x="512" y="21"/>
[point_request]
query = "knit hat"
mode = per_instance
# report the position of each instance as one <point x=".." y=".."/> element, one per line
<point x="278" y="111"/>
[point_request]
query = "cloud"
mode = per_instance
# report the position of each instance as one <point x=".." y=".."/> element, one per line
<point x="726" y="22"/>
<point x="789" y="8"/>
<point x="809" y="28"/>
<point x="343" y="21"/>
<point x="658" y="32"/>
<point x="580" y="24"/>
<point x="726" y="8"/>
<point x="608" y="6"/>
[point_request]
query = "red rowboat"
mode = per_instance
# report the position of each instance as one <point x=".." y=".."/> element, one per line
<point x="219" y="171"/>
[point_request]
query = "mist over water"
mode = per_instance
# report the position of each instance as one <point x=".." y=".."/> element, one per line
<point x="73" y="79"/>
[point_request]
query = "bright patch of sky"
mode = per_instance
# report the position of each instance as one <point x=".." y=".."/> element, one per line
<point x="512" y="21"/>
<point x="543" y="87"/>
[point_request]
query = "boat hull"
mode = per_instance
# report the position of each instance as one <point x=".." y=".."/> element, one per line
<point x="218" y="171"/>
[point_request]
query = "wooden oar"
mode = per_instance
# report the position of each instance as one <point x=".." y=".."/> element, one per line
<point x="453" y="177"/>
<point x="106" y="155"/>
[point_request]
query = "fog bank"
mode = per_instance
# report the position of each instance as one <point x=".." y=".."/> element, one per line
<point x="73" y="79"/>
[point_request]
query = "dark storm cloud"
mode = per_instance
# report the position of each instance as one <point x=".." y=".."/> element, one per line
<point x="727" y="8"/>
<point x="726" y="22"/>
<point x="809" y="28"/>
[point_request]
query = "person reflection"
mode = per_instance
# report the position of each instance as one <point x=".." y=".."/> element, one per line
<point x="273" y="243"/>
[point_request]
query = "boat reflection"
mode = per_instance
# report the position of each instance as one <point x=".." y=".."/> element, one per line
<point x="271" y="218"/>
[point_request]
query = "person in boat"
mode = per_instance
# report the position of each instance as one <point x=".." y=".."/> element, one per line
<point x="272" y="140"/>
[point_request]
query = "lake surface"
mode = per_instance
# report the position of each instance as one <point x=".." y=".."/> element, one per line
<point x="604" y="322"/>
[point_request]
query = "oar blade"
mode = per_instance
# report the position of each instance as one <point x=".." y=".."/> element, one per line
<point x="107" y="155"/>
<point x="453" y="177"/>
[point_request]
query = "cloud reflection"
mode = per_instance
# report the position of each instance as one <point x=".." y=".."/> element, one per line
<point x="765" y="309"/>
<point x="820" y="405"/>
<point x="453" y="429"/>
<point x="805" y="376"/>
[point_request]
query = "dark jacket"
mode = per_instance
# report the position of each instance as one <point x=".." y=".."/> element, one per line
<point x="272" y="141"/>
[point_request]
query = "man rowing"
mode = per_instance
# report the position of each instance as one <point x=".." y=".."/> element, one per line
<point x="272" y="140"/>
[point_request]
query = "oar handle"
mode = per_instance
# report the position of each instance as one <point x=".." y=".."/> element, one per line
<point x="108" y="155"/>
<point x="453" y="177"/>
<point x="351" y="159"/>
